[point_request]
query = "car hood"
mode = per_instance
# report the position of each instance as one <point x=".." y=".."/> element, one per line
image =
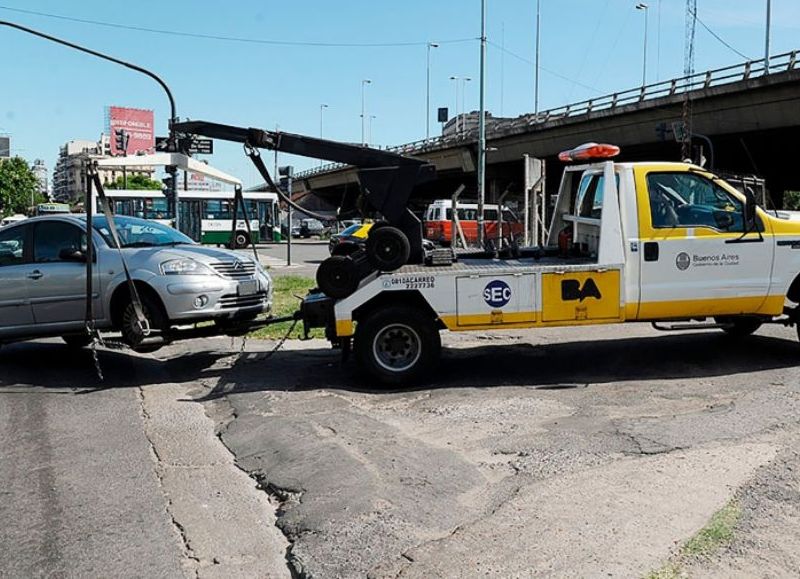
<point x="152" y="257"/>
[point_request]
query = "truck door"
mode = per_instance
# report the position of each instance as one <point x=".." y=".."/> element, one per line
<point x="694" y="258"/>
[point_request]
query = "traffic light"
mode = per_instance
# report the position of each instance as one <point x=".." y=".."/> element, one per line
<point x="121" y="138"/>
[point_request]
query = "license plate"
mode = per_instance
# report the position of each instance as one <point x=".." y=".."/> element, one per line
<point x="248" y="288"/>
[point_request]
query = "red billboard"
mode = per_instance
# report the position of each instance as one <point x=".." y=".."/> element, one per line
<point x="131" y="131"/>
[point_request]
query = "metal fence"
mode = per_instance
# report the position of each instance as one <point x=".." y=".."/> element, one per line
<point x="678" y="86"/>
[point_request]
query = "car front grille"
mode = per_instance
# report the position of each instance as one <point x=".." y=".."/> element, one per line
<point x="235" y="269"/>
<point x="233" y="301"/>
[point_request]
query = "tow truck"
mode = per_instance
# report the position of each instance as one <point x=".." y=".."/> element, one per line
<point x="663" y="242"/>
<point x="659" y="242"/>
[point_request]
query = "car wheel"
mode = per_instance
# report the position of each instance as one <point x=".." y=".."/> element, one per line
<point x="77" y="341"/>
<point x="398" y="345"/>
<point x="740" y="326"/>
<point x="337" y="276"/>
<point x="387" y="248"/>
<point x="131" y="332"/>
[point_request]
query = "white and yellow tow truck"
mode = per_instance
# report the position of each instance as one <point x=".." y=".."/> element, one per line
<point x="667" y="243"/>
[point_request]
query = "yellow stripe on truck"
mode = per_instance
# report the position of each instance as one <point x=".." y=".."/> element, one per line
<point x="769" y="306"/>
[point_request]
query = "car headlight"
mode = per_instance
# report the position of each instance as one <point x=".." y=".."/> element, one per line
<point x="185" y="266"/>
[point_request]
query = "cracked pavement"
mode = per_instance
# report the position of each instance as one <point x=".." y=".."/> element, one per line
<point x="551" y="452"/>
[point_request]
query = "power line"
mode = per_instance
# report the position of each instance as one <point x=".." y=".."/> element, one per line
<point x="715" y="35"/>
<point x="528" y="61"/>
<point x="224" y="38"/>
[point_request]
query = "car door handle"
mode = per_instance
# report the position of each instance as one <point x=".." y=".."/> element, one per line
<point x="35" y="274"/>
<point x="651" y="251"/>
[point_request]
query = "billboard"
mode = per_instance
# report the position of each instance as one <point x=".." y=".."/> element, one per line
<point x="5" y="146"/>
<point x="131" y="131"/>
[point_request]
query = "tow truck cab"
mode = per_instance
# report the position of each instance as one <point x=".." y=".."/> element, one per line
<point x="628" y="242"/>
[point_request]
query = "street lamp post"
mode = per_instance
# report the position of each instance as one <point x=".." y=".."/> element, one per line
<point x="536" y="65"/>
<point x="766" y="40"/>
<point x="364" y="83"/>
<point x="482" y="129"/>
<point x="455" y="109"/>
<point x="464" y="82"/>
<point x="428" y="91"/>
<point x="370" y="118"/>
<point x="322" y="108"/>
<point x="645" y="8"/>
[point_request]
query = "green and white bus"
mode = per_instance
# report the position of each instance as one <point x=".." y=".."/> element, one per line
<point x="205" y="216"/>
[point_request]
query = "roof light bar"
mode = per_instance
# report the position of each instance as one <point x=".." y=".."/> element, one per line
<point x="589" y="151"/>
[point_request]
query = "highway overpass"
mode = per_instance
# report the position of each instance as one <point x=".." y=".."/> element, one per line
<point x="750" y="115"/>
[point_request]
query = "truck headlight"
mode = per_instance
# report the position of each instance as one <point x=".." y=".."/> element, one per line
<point x="185" y="266"/>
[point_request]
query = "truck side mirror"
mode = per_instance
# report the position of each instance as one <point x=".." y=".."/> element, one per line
<point x="749" y="209"/>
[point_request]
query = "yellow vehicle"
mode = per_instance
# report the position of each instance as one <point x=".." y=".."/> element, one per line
<point x="655" y="241"/>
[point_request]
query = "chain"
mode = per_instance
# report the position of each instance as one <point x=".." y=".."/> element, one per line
<point x="96" y="340"/>
<point x="280" y="344"/>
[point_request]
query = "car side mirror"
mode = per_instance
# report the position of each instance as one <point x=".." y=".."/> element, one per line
<point x="71" y="254"/>
<point x="749" y="209"/>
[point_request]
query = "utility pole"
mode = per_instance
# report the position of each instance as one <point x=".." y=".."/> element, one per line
<point x="464" y="82"/>
<point x="536" y="66"/>
<point x="646" y="9"/>
<point x="482" y="129"/>
<point x="428" y="91"/>
<point x="766" y="40"/>
<point x="364" y="83"/>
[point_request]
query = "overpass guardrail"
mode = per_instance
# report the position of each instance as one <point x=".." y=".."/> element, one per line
<point x="678" y="86"/>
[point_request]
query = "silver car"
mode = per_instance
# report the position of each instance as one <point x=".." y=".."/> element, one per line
<point x="43" y="280"/>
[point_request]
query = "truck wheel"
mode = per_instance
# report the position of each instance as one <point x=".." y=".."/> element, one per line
<point x="337" y="276"/>
<point x="740" y="326"/>
<point x="397" y="345"/>
<point x="131" y="332"/>
<point x="387" y="248"/>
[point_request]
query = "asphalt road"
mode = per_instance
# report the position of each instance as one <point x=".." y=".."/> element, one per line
<point x="577" y="452"/>
<point x="307" y="254"/>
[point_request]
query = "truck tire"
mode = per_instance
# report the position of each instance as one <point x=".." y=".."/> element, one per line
<point x="387" y="248"/>
<point x="131" y="333"/>
<point x="337" y="276"/>
<point x="739" y="326"/>
<point x="398" y="345"/>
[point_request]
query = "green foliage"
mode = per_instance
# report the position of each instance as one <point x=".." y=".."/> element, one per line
<point x="135" y="183"/>
<point x="18" y="185"/>
<point x="791" y="200"/>
<point x="718" y="533"/>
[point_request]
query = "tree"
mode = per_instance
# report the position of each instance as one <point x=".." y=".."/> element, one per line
<point x="19" y="188"/>
<point x="136" y="182"/>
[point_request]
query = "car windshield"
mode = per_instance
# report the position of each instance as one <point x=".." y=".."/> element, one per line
<point x="134" y="232"/>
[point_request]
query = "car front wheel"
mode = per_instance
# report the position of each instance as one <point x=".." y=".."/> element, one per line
<point x="132" y="333"/>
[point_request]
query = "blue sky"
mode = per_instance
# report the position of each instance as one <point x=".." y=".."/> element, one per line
<point x="588" y="48"/>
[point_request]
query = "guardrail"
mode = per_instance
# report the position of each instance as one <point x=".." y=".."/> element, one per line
<point x="698" y="81"/>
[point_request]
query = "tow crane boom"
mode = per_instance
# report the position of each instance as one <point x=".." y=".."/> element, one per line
<point x="387" y="179"/>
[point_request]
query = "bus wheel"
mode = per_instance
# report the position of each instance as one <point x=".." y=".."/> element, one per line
<point x="387" y="248"/>
<point x="240" y="240"/>
<point x="337" y="276"/>
<point x="398" y="345"/>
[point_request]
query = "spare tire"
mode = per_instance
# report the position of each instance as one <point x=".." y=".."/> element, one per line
<point x="337" y="276"/>
<point x="387" y="248"/>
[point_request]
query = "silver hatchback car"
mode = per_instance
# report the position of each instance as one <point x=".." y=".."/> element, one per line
<point x="43" y="280"/>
